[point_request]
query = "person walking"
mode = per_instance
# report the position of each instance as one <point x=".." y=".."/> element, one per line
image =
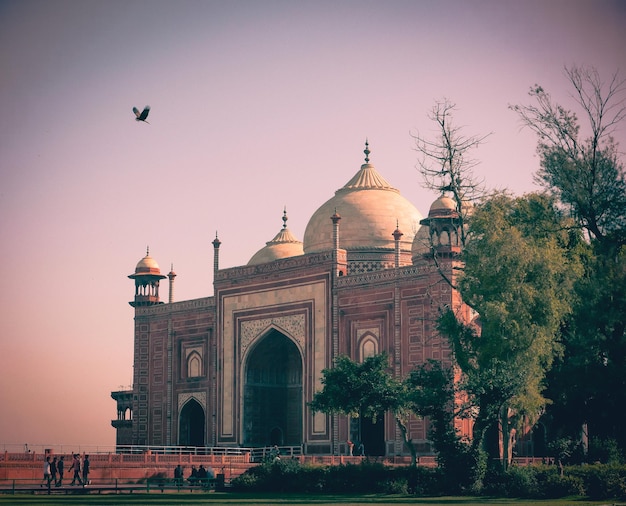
<point x="53" y="471"/>
<point x="178" y="475"/>
<point x="86" y="470"/>
<point x="46" y="474"/>
<point x="76" y="468"/>
<point x="61" y="470"/>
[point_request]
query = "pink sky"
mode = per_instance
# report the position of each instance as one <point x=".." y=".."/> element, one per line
<point x="256" y="105"/>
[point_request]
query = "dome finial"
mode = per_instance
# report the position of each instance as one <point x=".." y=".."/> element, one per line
<point x="147" y="251"/>
<point x="285" y="217"/>
<point x="367" y="151"/>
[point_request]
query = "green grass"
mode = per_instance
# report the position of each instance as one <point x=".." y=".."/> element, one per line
<point x="187" y="499"/>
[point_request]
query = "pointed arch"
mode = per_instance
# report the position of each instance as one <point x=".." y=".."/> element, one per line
<point x="367" y="345"/>
<point x="191" y="424"/>
<point x="194" y="365"/>
<point x="272" y="394"/>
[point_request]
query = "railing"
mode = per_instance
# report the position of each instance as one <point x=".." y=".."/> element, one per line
<point x="37" y="486"/>
<point x="271" y="452"/>
<point x="65" y="449"/>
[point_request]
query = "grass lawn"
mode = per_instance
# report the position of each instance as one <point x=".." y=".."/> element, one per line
<point x="232" y="499"/>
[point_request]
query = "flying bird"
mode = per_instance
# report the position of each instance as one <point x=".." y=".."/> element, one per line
<point x="141" y="116"/>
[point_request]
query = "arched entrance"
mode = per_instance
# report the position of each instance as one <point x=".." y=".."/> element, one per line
<point x="373" y="435"/>
<point x="191" y="428"/>
<point x="272" y="395"/>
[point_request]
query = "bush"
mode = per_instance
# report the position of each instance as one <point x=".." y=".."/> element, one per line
<point x="555" y="486"/>
<point x="514" y="482"/>
<point x="602" y="481"/>
<point x="605" y="451"/>
<point x="366" y="478"/>
<point x="597" y="482"/>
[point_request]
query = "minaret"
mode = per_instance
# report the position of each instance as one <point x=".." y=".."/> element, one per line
<point x="171" y="275"/>
<point x="396" y="236"/>
<point x="216" y="255"/>
<point x="147" y="276"/>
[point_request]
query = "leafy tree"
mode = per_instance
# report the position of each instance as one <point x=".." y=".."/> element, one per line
<point x="587" y="176"/>
<point x="365" y="390"/>
<point x="432" y="392"/>
<point x="518" y="276"/>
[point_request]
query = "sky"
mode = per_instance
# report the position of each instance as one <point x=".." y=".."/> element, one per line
<point x="256" y="105"/>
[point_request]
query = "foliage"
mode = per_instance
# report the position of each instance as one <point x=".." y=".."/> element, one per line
<point x="587" y="175"/>
<point x="366" y="477"/>
<point x="602" y="481"/>
<point x="604" y="451"/>
<point x="596" y="482"/>
<point x="432" y="393"/>
<point x="518" y="276"/>
<point x="366" y="390"/>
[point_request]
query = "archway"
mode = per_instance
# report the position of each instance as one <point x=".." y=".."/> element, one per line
<point x="373" y="435"/>
<point x="272" y="396"/>
<point x="191" y="431"/>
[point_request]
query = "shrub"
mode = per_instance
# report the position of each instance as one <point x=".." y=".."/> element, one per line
<point x="604" y="482"/>
<point x="605" y="451"/>
<point x="554" y="486"/>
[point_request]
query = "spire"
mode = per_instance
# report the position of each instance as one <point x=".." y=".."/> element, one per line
<point x="285" y="217"/>
<point x="397" y="235"/>
<point x="367" y="151"/>
<point x="216" y="255"/>
<point x="171" y="275"/>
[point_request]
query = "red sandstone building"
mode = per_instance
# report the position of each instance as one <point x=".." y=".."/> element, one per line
<point x="239" y="367"/>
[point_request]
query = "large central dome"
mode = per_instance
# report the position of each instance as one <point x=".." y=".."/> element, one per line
<point x="370" y="210"/>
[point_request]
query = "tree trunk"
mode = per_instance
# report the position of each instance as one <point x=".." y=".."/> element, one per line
<point x="408" y="441"/>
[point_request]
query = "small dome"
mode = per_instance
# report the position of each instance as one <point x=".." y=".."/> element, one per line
<point x="283" y="245"/>
<point x="370" y="210"/>
<point x="442" y="206"/>
<point x="147" y="266"/>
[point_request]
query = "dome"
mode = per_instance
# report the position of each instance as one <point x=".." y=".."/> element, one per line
<point x="421" y="244"/>
<point x="370" y="209"/>
<point x="443" y="206"/>
<point x="147" y="266"/>
<point x="283" y="245"/>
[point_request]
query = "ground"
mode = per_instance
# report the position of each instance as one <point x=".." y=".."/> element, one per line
<point x="186" y="499"/>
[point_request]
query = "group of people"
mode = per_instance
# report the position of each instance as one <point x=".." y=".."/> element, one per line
<point x="198" y="477"/>
<point x="54" y="470"/>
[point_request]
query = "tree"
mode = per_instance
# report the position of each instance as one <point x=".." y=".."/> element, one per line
<point x="446" y="164"/>
<point x="587" y="176"/>
<point x="365" y="390"/>
<point x="518" y="276"/>
<point x="432" y="393"/>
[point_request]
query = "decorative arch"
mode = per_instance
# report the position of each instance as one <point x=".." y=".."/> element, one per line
<point x="368" y="345"/>
<point x="292" y="326"/>
<point x="194" y="365"/>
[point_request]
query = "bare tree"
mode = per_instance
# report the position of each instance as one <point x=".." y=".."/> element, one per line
<point x="446" y="163"/>
<point x="586" y="174"/>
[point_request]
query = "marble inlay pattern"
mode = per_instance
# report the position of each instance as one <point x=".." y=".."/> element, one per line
<point x="292" y="325"/>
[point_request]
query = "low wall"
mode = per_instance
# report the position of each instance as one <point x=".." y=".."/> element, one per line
<point x="130" y="467"/>
<point x="135" y="467"/>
